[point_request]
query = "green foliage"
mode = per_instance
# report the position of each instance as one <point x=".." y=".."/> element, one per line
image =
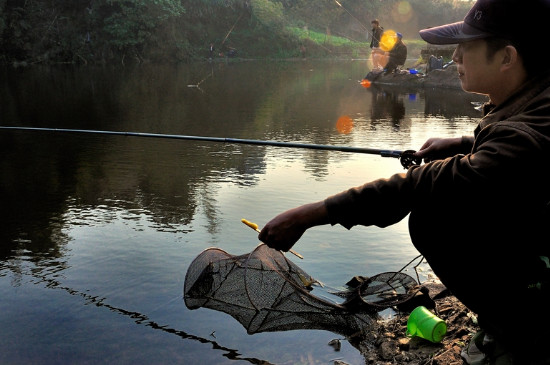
<point x="166" y="30"/>
<point x="322" y="38"/>
<point x="269" y="14"/>
<point x="132" y="22"/>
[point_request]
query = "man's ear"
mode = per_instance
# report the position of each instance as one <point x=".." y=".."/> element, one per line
<point x="509" y="57"/>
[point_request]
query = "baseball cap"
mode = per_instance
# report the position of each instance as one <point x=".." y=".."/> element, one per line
<point x="509" y="19"/>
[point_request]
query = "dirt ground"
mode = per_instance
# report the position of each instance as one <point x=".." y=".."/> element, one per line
<point x="388" y="343"/>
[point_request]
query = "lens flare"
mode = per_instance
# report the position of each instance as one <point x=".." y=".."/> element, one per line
<point x="379" y="58"/>
<point x="344" y="124"/>
<point x="388" y="40"/>
<point x="402" y="12"/>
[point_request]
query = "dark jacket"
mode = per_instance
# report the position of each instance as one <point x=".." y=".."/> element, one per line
<point x="376" y="36"/>
<point x="398" y="56"/>
<point x="480" y="218"/>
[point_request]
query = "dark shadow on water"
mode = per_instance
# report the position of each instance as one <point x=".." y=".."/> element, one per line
<point x="443" y="102"/>
<point x="387" y="104"/>
<point x="143" y="320"/>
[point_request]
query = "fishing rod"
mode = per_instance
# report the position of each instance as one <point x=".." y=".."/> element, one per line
<point x="347" y="11"/>
<point x="406" y="158"/>
<point x="230" y="30"/>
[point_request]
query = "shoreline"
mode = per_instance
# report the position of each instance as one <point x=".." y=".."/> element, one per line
<point x="388" y="343"/>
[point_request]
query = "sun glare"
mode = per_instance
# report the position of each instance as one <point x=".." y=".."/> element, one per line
<point x="388" y="40"/>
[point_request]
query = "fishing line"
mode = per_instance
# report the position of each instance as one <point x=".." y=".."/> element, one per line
<point x="360" y="23"/>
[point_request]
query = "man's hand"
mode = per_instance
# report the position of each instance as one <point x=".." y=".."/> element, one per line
<point x="439" y="148"/>
<point x="283" y="231"/>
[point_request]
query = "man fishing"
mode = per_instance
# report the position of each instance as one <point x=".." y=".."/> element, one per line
<point x="377" y="54"/>
<point x="397" y="55"/>
<point x="480" y="205"/>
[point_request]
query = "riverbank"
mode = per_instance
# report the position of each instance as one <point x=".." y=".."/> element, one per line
<point x="389" y="344"/>
<point x="417" y="77"/>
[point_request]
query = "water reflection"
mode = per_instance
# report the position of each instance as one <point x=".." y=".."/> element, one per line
<point x="93" y="214"/>
<point x="387" y="105"/>
<point x="441" y="102"/>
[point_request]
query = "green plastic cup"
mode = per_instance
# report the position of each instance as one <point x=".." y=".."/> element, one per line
<point x="423" y="323"/>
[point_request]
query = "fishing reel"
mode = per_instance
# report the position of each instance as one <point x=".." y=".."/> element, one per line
<point x="408" y="159"/>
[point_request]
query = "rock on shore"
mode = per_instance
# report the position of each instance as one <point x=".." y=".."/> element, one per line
<point x="440" y="78"/>
<point x="388" y="343"/>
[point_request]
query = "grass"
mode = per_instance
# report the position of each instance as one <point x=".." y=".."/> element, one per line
<point x="342" y="45"/>
<point x="322" y="38"/>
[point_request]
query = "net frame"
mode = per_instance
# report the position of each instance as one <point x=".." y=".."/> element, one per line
<point x="266" y="291"/>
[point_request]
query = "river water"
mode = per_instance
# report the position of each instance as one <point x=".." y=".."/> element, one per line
<point x="98" y="230"/>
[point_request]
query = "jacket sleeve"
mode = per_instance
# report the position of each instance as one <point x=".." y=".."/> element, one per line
<point x="381" y="202"/>
<point x="497" y="165"/>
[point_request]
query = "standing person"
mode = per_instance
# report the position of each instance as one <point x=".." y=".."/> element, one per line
<point x="303" y="51"/>
<point x="211" y="51"/>
<point x="397" y="55"/>
<point x="480" y="205"/>
<point x="377" y="54"/>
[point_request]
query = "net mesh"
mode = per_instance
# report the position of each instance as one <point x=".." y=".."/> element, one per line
<point x="380" y="291"/>
<point x="265" y="291"/>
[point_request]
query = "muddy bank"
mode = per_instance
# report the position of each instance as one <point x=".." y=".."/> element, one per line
<point x="388" y="343"/>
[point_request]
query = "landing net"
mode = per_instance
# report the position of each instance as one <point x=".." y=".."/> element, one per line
<point x="265" y="291"/>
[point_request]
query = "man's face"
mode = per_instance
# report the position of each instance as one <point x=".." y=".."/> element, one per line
<point x="477" y="73"/>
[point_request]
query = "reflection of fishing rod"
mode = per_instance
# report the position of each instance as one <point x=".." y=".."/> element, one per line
<point x="406" y="158"/>
<point x="340" y="5"/>
<point x="197" y="85"/>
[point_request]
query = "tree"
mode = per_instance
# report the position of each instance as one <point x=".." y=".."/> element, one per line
<point x="269" y="14"/>
<point x="129" y="25"/>
<point x="46" y="31"/>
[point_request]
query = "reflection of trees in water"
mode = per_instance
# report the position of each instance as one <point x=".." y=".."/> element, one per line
<point x="169" y="180"/>
<point x="31" y="215"/>
<point x="34" y="252"/>
<point x="316" y="163"/>
<point x="208" y="204"/>
<point x="50" y="182"/>
<point x="47" y="182"/>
